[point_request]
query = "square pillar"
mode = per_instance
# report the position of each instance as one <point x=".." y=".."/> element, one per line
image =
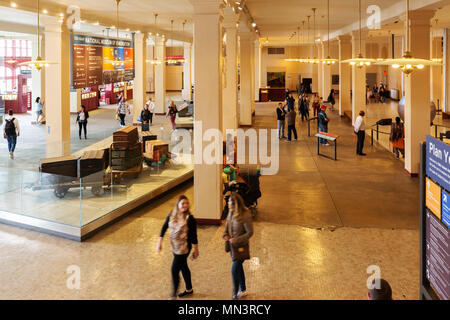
<point x="257" y="70"/>
<point x="207" y="21"/>
<point x="150" y="69"/>
<point x="326" y="73"/>
<point x="160" y="75"/>
<point x="187" y="80"/>
<point x="446" y="72"/>
<point x="247" y="76"/>
<point x="57" y="88"/>
<point x="345" y="52"/>
<point x="230" y="84"/>
<point x="140" y="74"/>
<point x="359" y="92"/>
<point x="315" y="73"/>
<point x="436" y="72"/>
<point x="319" y="72"/>
<point x="417" y="91"/>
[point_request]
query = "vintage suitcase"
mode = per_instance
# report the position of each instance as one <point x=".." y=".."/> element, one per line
<point x="147" y="136"/>
<point x="64" y="166"/>
<point x="123" y="164"/>
<point x="127" y="134"/>
<point x="156" y="145"/>
<point x="92" y="161"/>
<point x="132" y="152"/>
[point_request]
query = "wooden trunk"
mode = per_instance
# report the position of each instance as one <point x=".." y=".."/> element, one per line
<point x="147" y="136"/>
<point x="123" y="164"/>
<point x="64" y="166"/>
<point x="127" y="134"/>
<point x="92" y="161"/>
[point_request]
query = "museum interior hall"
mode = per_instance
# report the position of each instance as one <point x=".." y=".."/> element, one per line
<point x="310" y="138"/>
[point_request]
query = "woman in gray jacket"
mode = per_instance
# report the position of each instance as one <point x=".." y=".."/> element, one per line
<point x="238" y="230"/>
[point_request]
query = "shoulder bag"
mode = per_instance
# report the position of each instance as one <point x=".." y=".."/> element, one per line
<point x="241" y="252"/>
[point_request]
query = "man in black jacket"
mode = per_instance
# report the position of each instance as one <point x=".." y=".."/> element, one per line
<point x="280" y="120"/>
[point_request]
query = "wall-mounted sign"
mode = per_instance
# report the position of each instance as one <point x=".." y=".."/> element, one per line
<point x="438" y="162"/>
<point x="98" y="60"/>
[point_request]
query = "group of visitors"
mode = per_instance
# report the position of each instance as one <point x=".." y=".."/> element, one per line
<point x="380" y="94"/>
<point x="183" y="237"/>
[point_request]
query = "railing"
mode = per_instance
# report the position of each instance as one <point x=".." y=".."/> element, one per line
<point x="309" y="125"/>
<point x="377" y="131"/>
<point x="436" y="130"/>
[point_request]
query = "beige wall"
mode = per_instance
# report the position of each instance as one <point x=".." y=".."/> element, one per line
<point x="174" y="78"/>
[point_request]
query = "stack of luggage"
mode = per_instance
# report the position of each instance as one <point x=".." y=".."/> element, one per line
<point x="126" y="150"/>
<point x="58" y="170"/>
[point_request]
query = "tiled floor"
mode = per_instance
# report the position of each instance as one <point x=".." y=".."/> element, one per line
<point x="320" y="225"/>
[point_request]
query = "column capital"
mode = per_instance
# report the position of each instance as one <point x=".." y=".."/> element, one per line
<point x="421" y="17"/>
<point x="364" y="35"/>
<point x="53" y="24"/>
<point x="140" y="36"/>
<point x="187" y="45"/>
<point x="160" y="40"/>
<point x="230" y="18"/>
<point x="344" y="38"/>
<point x="206" y="7"/>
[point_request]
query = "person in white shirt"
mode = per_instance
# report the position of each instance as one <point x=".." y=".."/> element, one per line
<point x="11" y="130"/>
<point x="151" y="108"/>
<point x="38" y="109"/>
<point x="359" y="129"/>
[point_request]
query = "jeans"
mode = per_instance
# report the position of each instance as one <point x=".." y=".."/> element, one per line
<point x="172" y="120"/>
<point x="237" y="272"/>
<point x="360" y="142"/>
<point x="280" y="127"/>
<point x="145" y="127"/>
<point x="290" y="129"/>
<point x="397" y="150"/>
<point x="82" y="125"/>
<point x="180" y="264"/>
<point x="323" y="128"/>
<point x="12" y="140"/>
<point x="122" y="119"/>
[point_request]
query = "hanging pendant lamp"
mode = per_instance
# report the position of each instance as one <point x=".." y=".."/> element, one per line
<point x="407" y="63"/>
<point x="174" y="60"/>
<point x="314" y="60"/>
<point x="436" y="59"/>
<point x="360" y="61"/>
<point x="328" y="60"/>
<point x="117" y="62"/>
<point x="40" y="62"/>
<point x="155" y="60"/>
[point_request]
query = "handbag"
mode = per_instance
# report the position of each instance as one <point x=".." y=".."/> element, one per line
<point x="237" y="252"/>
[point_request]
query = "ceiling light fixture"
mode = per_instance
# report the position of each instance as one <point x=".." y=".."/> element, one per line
<point x="360" y="61"/>
<point x="174" y="59"/>
<point x="314" y="60"/>
<point x="155" y="61"/>
<point x="436" y="48"/>
<point x="253" y="24"/>
<point x="117" y="62"/>
<point x="407" y="63"/>
<point x="40" y="62"/>
<point x="328" y="60"/>
<point x="13" y="4"/>
<point x="44" y="11"/>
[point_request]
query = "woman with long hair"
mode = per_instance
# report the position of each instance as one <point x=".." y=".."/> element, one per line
<point x="172" y="113"/>
<point x="82" y="119"/>
<point x="183" y="235"/>
<point x="238" y="230"/>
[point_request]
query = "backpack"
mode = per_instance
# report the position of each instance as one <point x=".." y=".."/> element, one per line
<point x="398" y="132"/>
<point x="10" y="127"/>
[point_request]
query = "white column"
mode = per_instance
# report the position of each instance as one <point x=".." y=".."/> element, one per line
<point x="446" y="71"/>
<point x="57" y="88"/>
<point x="140" y="74"/>
<point x="187" y="80"/>
<point x="160" y="75"/>
<point x="358" y="76"/>
<point x="315" y="73"/>
<point x="246" y="76"/>
<point x="326" y="73"/>
<point x="436" y="72"/>
<point x="417" y="91"/>
<point x="230" y="83"/>
<point x="345" y="52"/>
<point x="208" y="105"/>
<point x="257" y="69"/>
<point x="37" y="77"/>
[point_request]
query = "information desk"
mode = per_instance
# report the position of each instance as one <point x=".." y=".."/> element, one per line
<point x="328" y="137"/>
<point x="272" y="94"/>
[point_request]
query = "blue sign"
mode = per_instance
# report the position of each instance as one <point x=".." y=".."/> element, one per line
<point x="438" y="162"/>
<point x="445" y="208"/>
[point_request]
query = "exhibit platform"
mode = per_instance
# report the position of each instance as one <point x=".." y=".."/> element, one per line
<point x="33" y="200"/>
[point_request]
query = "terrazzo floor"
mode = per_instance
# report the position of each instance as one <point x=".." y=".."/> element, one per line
<point x="320" y="225"/>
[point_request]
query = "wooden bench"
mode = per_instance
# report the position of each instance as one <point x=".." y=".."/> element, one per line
<point x="328" y="137"/>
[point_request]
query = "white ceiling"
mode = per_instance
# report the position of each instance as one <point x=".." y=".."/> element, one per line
<point x="276" y="19"/>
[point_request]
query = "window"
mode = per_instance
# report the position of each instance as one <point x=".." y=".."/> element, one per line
<point x="275" y="50"/>
<point x="13" y="50"/>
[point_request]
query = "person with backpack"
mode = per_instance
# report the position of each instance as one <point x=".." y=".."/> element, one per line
<point x="11" y="130"/>
<point x="397" y="137"/>
<point x="323" y="120"/>
<point x="183" y="235"/>
<point x="82" y="117"/>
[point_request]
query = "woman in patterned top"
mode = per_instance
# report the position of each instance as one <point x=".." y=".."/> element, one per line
<point x="183" y="234"/>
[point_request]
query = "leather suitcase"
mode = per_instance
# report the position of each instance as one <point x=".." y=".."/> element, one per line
<point x="157" y="145"/>
<point x="132" y="152"/>
<point x="123" y="164"/>
<point x="127" y="134"/>
<point x="64" y="166"/>
<point x="92" y="161"/>
<point x="147" y="136"/>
